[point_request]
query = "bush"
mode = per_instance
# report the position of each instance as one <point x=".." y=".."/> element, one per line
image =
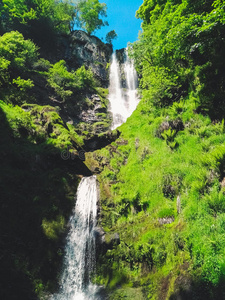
<point x="65" y="82"/>
<point x="19" y="52"/>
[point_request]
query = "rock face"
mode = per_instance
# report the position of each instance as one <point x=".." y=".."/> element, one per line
<point x="80" y="49"/>
<point x="105" y="241"/>
<point x="87" y="110"/>
<point x="92" y="52"/>
<point x="90" y="114"/>
<point x="121" y="57"/>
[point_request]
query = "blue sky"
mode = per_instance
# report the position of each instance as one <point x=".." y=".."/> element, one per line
<point x="121" y="18"/>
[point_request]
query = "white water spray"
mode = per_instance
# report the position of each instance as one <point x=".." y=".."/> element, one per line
<point x="122" y="101"/>
<point x="80" y="247"/>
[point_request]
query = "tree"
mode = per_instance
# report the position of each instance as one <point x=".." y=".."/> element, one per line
<point x="22" y="14"/>
<point x="112" y="35"/>
<point x="181" y="50"/>
<point x="90" y="13"/>
<point x="16" y="54"/>
<point x="64" y="82"/>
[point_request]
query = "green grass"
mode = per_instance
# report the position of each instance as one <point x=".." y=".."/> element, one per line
<point x="140" y="183"/>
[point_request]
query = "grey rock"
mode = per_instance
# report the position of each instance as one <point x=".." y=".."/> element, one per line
<point x="91" y="52"/>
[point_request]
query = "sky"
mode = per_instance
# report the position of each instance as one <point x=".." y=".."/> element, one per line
<point x="121" y="18"/>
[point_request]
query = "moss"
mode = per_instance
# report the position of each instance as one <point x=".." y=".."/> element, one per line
<point x="91" y="162"/>
<point x="127" y="293"/>
<point x="54" y="228"/>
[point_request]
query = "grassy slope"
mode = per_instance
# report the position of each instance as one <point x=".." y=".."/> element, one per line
<point x="142" y="175"/>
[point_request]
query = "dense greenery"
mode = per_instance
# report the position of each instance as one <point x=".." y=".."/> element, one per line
<point x="42" y="20"/>
<point x="89" y="13"/>
<point x="39" y="153"/>
<point x="167" y="204"/>
<point x="162" y="182"/>
<point x="181" y="50"/>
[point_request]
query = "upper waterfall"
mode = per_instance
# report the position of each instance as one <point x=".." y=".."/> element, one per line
<point x="123" y="100"/>
<point x="80" y="248"/>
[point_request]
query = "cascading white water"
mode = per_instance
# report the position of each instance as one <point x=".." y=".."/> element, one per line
<point x="132" y="84"/>
<point x="122" y="101"/>
<point x="80" y="247"/>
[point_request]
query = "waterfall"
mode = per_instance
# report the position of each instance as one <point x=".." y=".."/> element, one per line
<point x="80" y="249"/>
<point x="123" y="101"/>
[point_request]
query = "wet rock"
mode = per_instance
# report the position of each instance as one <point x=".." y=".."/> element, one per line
<point x="105" y="241"/>
<point x="176" y="125"/>
<point x="91" y="52"/>
<point x="100" y="141"/>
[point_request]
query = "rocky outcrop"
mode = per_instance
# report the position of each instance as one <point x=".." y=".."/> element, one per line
<point x="101" y="140"/>
<point x="79" y="49"/>
<point x="121" y="57"/>
<point x="94" y="110"/>
<point x="105" y="241"/>
<point x="86" y="110"/>
<point x="176" y="125"/>
<point x="92" y="52"/>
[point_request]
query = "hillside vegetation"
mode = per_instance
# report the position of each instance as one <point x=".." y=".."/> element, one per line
<point x="43" y="139"/>
<point x="162" y="182"/>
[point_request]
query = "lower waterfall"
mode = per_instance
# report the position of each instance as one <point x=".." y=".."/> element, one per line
<point x="80" y="249"/>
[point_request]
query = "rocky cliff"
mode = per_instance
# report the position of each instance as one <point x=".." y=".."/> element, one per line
<point x="79" y="49"/>
<point x="87" y="110"/>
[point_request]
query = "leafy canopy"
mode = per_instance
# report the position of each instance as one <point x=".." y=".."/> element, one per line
<point x="57" y="14"/>
<point x="16" y="57"/>
<point x="181" y="50"/>
<point x="42" y="19"/>
<point x="90" y="13"/>
<point x="111" y="36"/>
<point x="65" y="82"/>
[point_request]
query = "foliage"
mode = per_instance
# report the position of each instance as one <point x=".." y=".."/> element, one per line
<point x="84" y="78"/>
<point x="42" y="20"/>
<point x="17" y="53"/>
<point x="140" y="187"/>
<point x="64" y="82"/>
<point x="110" y="36"/>
<point x="42" y="65"/>
<point x="169" y="135"/>
<point x="23" y="84"/>
<point x="19" y="10"/>
<point x="90" y="13"/>
<point x="60" y="79"/>
<point x="53" y="229"/>
<point x="58" y="14"/>
<point x="179" y="51"/>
